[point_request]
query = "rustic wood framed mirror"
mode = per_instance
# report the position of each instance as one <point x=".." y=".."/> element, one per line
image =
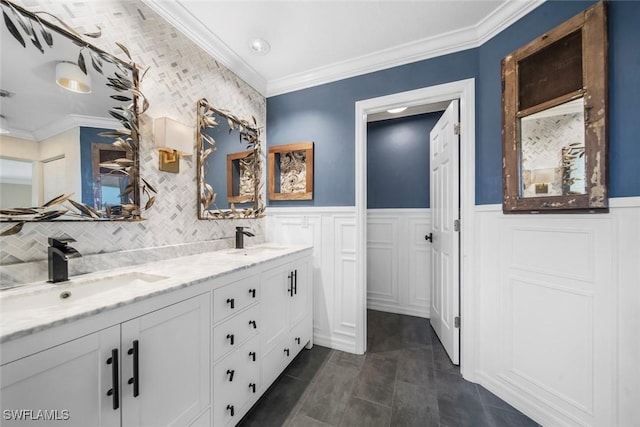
<point x="554" y="124"/>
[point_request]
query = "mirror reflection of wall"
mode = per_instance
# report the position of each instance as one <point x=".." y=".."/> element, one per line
<point x="16" y="187"/>
<point x="216" y="171"/>
<point x="552" y="151"/>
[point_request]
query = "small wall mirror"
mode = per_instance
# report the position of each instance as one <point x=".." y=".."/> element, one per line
<point x="554" y="119"/>
<point x="229" y="165"/>
<point x="69" y="125"/>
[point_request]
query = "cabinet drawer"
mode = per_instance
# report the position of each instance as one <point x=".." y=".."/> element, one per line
<point x="232" y="333"/>
<point x="236" y="382"/>
<point x="232" y="298"/>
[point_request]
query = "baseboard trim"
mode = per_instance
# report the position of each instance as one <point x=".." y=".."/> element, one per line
<point x="390" y="308"/>
<point x="334" y="343"/>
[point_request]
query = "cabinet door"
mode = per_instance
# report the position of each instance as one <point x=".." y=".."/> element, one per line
<point x="68" y="382"/>
<point x="300" y="306"/>
<point x="173" y="365"/>
<point x="275" y="300"/>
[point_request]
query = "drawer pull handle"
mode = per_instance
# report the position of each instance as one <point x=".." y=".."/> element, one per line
<point x="115" y="387"/>
<point x="231" y="302"/>
<point x="252" y="355"/>
<point x="290" y="290"/>
<point x="252" y="292"/>
<point x="252" y="386"/>
<point x="295" y="282"/>
<point x="253" y="322"/>
<point x="298" y="340"/>
<point x="135" y="380"/>
<point x="230" y="372"/>
<point x="286" y="350"/>
<point x="231" y="410"/>
<point x="230" y="338"/>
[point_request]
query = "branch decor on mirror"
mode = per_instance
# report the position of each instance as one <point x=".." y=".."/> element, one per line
<point x="229" y="182"/>
<point x="117" y="173"/>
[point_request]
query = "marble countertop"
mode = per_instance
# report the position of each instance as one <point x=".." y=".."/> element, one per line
<point x="39" y="306"/>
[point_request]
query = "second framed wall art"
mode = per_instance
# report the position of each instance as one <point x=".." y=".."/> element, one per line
<point x="291" y="171"/>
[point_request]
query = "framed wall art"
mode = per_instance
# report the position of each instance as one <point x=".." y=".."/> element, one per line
<point x="291" y="171"/>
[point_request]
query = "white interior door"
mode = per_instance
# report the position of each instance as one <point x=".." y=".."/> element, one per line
<point x="445" y="208"/>
<point x="54" y="179"/>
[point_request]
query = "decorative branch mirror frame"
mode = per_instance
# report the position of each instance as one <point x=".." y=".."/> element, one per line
<point x="249" y="137"/>
<point x="298" y="158"/>
<point x="35" y="33"/>
<point x="554" y="123"/>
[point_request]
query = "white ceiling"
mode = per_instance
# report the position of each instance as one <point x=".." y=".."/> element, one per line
<point x="318" y="41"/>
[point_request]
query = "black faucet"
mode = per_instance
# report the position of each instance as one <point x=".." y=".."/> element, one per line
<point x="59" y="254"/>
<point x="240" y="233"/>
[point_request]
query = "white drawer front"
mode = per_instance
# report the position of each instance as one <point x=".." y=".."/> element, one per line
<point x="232" y="298"/>
<point x="236" y="382"/>
<point x="231" y="334"/>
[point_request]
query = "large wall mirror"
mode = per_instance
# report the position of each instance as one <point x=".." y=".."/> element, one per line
<point x="229" y="165"/>
<point x="69" y="143"/>
<point x="555" y="119"/>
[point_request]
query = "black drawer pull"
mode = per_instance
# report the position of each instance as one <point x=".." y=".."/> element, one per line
<point x="298" y="340"/>
<point x="252" y="355"/>
<point x="230" y="338"/>
<point x="286" y="351"/>
<point x="115" y="386"/>
<point x="230" y="372"/>
<point x="295" y="282"/>
<point x="253" y="322"/>
<point x="231" y="302"/>
<point x="231" y="410"/>
<point x="135" y="380"/>
<point x="252" y="386"/>
<point x="252" y="292"/>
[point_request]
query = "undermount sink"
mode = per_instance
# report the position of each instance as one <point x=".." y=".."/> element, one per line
<point x="74" y="291"/>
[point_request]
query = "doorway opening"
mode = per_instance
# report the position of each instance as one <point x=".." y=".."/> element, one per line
<point x="464" y="91"/>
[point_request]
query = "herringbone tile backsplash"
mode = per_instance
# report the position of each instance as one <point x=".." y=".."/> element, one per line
<point x="180" y="74"/>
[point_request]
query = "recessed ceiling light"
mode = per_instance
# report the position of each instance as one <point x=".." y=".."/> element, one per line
<point x="260" y="46"/>
<point x="396" y="110"/>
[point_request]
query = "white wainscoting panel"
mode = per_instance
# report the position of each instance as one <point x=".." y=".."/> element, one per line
<point x="399" y="261"/>
<point x="558" y="314"/>
<point x="332" y="233"/>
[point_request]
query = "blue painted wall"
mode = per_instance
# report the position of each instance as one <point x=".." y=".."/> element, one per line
<point x="398" y="162"/>
<point x="87" y="137"/>
<point x="325" y="113"/>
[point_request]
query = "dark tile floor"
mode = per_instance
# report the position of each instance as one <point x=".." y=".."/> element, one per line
<point x="405" y="379"/>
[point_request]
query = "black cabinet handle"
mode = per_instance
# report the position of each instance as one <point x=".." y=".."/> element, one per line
<point x="252" y="355"/>
<point x="252" y="386"/>
<point x="290" y="290"/>
<point x="286" y="351"/>
<point x="295" y="282"/>
<point x="115" y="386"/>
<point x="230" y="372"/>
<point x="230" y="338"/>
<point x="253" y="322"/>
<point x="429" y="237"/>
<point x="135" y="380"/>
<point x="252" y="292"/>
<point x="231" y="302"/>
<point x="298" y="340"/>
<point x="231" y="410"/>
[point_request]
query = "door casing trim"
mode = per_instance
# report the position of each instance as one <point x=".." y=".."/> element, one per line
<point x="464" y="90"/>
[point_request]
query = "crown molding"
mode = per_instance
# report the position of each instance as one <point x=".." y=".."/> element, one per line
<point x="73" y="121"/>
<point x="467" y="38"/>
<point x="175" y="14"/>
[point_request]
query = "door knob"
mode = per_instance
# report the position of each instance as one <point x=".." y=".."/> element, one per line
<point x="429" y="237"/>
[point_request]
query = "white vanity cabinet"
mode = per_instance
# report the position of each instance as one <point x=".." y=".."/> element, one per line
<point x="150" y="371"/>
<point x="287" y="315"/>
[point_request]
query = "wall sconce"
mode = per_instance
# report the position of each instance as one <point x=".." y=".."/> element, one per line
<point x="70" y="77"/>
<point x="172" y="139"/>
<point x="541" y="179"/>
